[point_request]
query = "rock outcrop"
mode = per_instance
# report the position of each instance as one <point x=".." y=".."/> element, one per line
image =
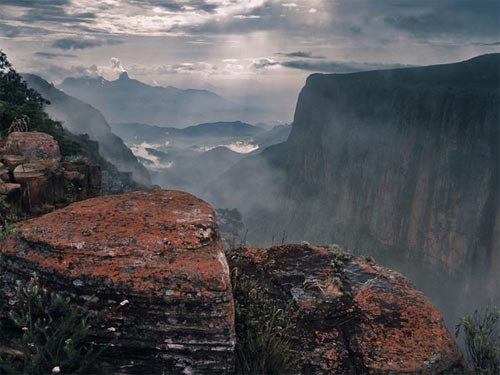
<point x="400" y="164"/>
<point x="34" y="179"/>
<point x="32" y="145"/>
<point x="158" y="255"/>
<point x="160" y="251"/>
<point x="350" y="316"/>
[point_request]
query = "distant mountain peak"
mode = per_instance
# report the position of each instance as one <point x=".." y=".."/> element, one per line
<point x="123" y="76"/>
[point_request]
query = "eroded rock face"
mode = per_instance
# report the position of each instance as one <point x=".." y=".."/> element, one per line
<point x="350" y="316"/>
<point x="159" y="251"/>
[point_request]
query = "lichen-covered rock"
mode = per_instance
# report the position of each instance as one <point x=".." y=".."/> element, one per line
<point x="32" y="145"/>
<point x="159" y="253"/>
<point x="350" y="316"/>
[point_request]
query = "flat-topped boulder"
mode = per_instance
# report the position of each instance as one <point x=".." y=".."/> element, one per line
<point x="160" y="254"/>
<point x="348" y="315"/>
<point x="32" y="145"/>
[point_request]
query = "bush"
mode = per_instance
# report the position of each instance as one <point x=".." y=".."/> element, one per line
<point x="482" y="340"/>
<point x="339" y="253"/>
<point x="262" y="346"/>
<point x="54" y="333"/>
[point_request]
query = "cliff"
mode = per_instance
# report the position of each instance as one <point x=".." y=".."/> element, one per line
<point x="402" y="164"/>
<point x="159" y="256"/>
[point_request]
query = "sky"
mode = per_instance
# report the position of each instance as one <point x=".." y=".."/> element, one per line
<point x="247" y="49"/>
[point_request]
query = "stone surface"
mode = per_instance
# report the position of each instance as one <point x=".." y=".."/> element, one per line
<point x="158" y="250"/>
<point x="32" y="145"/>
<point x="46" y="182"/>
<point x="350" y="316"/>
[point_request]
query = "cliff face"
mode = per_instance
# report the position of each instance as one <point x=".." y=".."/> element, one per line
<point x="156" y="260"/>
<point x="403" y="164"/>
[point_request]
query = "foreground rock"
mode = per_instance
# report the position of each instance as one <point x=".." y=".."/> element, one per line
<point x="350" y="316"/>
<point x="158" y="254"/>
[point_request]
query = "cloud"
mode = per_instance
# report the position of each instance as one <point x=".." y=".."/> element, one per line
<point x="74" y="44"/>
<point x="116" y="65"/>
<point x="302" y="54"/>
<point x="337" y="66"/>
<point x="486" y="44"/>
<point x="264" y="63"/>
<point x="49" y="55"/>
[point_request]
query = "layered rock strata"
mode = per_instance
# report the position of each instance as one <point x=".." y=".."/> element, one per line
<point x="158" y="254"/>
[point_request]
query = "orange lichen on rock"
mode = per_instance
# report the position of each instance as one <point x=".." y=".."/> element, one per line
<point x="161" y="251"/>
<point x="351" y="316"/>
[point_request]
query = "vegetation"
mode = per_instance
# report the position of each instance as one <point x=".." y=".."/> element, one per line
<point x="54" y="333"/>
<point x="339" y="253"/>
<point x="6" y="229"/>
<point x="18" y="101"/>
<point x="481" y="335"/>
<point x="262" y="345"/>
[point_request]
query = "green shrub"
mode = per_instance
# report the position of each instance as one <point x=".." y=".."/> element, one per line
<point x="54" y="333"/>
<point x="339" y="253"/>
<point x="482" y="341"/>
<point x="262" y="344"/>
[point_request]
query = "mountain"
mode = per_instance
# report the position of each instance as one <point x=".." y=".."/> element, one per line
<point x="137" y="132"/>
<point x="129" y="100"/>
<point x="81" y="118"/>
<point x="401" y="164"/>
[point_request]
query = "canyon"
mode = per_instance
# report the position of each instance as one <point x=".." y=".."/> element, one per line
<point x="400" y="164"/>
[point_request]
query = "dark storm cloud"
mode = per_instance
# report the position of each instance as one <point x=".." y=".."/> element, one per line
<point x="49" y="55"/>
<point x="56" y="14"/>
<point x="487" y="44"/>
<point x="337" y="67"/>
<point x="36" y="11"/>
<point x="34" y="3"/>
<point x="13" y="31"/>
<point x="446" y="17"/>
<point x="74" y="44"/>
<point x="176" y="6"/>
<point x="301" y="54"/>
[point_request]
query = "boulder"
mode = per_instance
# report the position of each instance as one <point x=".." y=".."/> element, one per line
<point x="348" y="315"/>
<point x="160" y="254"/>
<point x="12" y="161"/>
<point x="10" y="190"/>
<point x="32" y="145"/>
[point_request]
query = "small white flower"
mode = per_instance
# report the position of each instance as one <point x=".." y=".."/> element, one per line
<point x="56" y="369"/>
<point x="124" y="302"/>
<point x="111" y="329"/>
<point x="67" y="341"/>
<point x="25" y="328"/>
